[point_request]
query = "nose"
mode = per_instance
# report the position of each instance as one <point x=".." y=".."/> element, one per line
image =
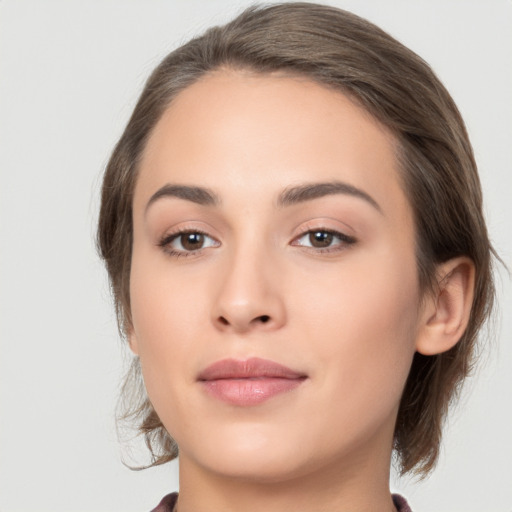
<point x="250" y="294"/>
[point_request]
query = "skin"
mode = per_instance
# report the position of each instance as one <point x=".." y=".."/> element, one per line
<point x="348" y="316"/>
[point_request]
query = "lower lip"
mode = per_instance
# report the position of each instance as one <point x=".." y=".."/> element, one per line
<point x="246" y="392"/>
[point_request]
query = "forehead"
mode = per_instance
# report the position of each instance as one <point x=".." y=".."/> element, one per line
<point x="263" y="132"/>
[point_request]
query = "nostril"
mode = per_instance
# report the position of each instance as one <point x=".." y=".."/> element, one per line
<point x="223" y="321"/>
<point x="262" y="319"/>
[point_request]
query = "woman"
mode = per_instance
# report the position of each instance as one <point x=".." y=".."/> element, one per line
<point x="292" y="225"/>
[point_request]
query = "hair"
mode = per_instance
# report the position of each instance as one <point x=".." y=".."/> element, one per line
<point x="436" y="164"/>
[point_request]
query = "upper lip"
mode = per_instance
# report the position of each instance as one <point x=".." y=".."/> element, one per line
<point x="247" y="369"/>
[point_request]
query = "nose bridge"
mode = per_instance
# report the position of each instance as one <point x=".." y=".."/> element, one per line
<point x="250" y="295"/>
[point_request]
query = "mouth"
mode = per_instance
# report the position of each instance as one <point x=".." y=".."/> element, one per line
<point x="249" y="382"/>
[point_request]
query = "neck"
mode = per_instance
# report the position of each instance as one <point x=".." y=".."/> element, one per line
<point x="362" y="487"/>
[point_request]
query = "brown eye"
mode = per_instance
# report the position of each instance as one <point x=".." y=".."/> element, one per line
<point x="320" y="239"/>
<point x="192" y="241"/>
<point x="324" y="240"/>
<point x="187" y="243"/>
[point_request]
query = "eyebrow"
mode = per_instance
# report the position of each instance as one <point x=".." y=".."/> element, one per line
<point x="310" y="191"/>
<point x="290" y="196"/>
<point x="198" y="195"/>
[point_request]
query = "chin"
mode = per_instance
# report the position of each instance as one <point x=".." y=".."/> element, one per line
<point x="250" y="455"/>
<point x="257" y="468"/>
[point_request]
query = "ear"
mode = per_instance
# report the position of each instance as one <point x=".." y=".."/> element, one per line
<point x="447" y="310"/>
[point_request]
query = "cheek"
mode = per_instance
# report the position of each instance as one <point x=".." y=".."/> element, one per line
<point x="166" y="315"/>
<point x="166" y="335"/>
<point x="163" y="302"/>
<point x="364" y="323"/>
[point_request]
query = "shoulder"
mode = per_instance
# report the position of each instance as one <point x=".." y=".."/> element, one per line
<point x="401" y="503"/>
<point x="167" y="504"/>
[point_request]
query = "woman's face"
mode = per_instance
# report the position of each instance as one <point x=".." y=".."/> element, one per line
<point x="274" y="288"/>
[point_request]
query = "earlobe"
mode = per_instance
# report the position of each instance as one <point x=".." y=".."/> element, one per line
<point x="446" y="311"/>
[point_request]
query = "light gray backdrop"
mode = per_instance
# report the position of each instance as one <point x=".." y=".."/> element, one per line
<point x="70" y="72"/>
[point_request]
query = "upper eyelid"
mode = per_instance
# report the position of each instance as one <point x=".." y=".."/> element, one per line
<point x="169" y="237"/>
<point x="325" y="223"/>
<point x="335" y="232"/>
<point x="338" y="234"/>
<point x="321" y="225"/>
<point x="191" y="226"/>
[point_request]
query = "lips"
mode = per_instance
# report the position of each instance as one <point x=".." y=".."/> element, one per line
<point x="249" y="382"/>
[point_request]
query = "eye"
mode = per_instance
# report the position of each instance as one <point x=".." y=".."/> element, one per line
<point x="184" y="243"/>
<point x="325" y="239"/>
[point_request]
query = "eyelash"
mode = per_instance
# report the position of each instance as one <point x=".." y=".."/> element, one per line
<point x="166" y="241"/>
<point x="345" y="241"/>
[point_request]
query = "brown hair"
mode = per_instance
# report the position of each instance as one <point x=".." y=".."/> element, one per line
<point x="351" y="55"/>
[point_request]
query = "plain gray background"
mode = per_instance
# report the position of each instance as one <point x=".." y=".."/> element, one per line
<point x="70" y="72"/>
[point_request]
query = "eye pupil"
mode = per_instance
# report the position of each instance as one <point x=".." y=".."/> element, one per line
<point x="320" y="239"/>
<point x="192" y="241"/>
